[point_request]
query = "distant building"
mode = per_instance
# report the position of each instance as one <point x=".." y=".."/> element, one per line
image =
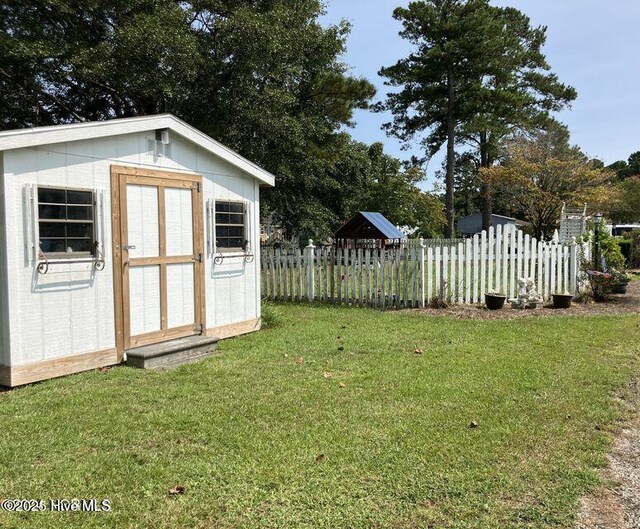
<point x="472" y="224"/>
<point x="618" y="230"/>
<point x="368" y="230"/>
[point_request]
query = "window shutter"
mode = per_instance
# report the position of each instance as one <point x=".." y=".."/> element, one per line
<point x="30" y="218"/>
<point x="247" y="225"/>
<point x="213" y="227"/>
<point x="97" y="221"/>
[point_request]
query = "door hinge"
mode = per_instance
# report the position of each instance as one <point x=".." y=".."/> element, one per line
<point x="199" y="258"/>
<point x="201" y="328"/>
<point x="198" y="187"/>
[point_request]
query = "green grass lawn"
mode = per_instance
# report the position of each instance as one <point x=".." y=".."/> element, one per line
<point x="242" y="431"/>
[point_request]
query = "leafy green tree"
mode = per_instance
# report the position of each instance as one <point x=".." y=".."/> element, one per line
<point x="627" y="206"/>
<point x="629" y="168"/>
<point x="538" y="174"/>
<point x="394" y="192"/>
<point x="263" y="76"/>
<point x="477" y="71"/>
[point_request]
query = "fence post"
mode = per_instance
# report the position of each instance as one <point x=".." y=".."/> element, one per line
<point x="309" y="261"/>
<point x="573" y="265"/>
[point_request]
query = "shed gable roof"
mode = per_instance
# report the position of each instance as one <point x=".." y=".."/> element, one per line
<point x="366" y="224"/>
<point x="33" y="137"/>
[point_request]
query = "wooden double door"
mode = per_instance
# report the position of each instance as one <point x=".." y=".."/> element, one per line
<point x="158" y="255"/>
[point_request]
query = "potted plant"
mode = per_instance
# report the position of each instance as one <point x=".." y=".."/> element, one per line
<point x="494" y="300"/>
<point x="562" y="300"/>
<point x="619" y="281"/>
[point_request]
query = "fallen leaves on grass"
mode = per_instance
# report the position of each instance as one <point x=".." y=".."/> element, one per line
<point x="103" y="369"/>
<point x="178" y="489"/>
<point x="321" y="458"/>
<point x="342" y="385"/>
<point x="473" y="424"/>
<point x="327" y="375"/>
<point x="299" y="361"/>
<point x="417" y="351"/>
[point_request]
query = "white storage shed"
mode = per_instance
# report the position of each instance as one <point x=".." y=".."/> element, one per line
<point x="120" y="235"/>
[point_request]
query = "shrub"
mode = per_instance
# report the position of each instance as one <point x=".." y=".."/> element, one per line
<point x="271" y="315"/>
<point x="601" y="284"/>
<point x="625" y="248"/>
<point x="634" y="260"/>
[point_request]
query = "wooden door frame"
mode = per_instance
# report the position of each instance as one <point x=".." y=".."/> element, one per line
<point x="160" y="179"/>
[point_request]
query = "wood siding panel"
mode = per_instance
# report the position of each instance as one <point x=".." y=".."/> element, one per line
<point x="71" y="309"/>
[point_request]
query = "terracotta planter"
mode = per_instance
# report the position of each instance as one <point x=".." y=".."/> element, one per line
<point x="494" y="301"/>
<point x="562" y="301"/>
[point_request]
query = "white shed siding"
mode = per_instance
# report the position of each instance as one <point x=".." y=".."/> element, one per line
<point x="4" y="305"/>
<point x="70" y="310"/>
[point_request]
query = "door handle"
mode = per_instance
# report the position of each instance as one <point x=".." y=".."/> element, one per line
<point x="129" y="247"/>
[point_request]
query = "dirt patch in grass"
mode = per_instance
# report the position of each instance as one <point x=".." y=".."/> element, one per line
<point x="617" y="504"/>
<point x="616" y="304"/>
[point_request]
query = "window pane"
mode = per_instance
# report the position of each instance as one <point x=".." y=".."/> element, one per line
<point x="80" y="230"/>
<point x="52" y="229"/>
<point x="79" y="197"/>
<point x="51" y="212"/>
<point x="55" y="196"/>
<point x="222" y="218"/>
<point x="236" y="219"/>
<point x="235" y="243"/>
<point x="79" y="245"/>
<point x="222" y="243"/>
<point x="222" y="206"/>
<point x="80" y="212"/>
<point x="236" y="231"/>
<point x="52" y="245"/>
<point x="236" y="207"/>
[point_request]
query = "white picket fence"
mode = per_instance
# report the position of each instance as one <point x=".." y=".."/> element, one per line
<point x="421" y="272"/>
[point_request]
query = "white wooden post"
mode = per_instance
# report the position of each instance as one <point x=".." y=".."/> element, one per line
<point x="573" y="266"/>
<point x="476" y="267"/>
<point x="444" y="285"/>
<point x="512" y="261"/>
<point x="498" y="259"/>
<point x="483" y="264"/>
<point x="460" y="279"/>
<point x="491" y="259"/>
<point x="421" y="272"/>
<point x="527" y="256"/>
<point x="467" y="271"/>
<point x="438" y="258"/>
<point x="309" y="261"/>
<point x="541" y="265"/>
<point x="429" y="274"/>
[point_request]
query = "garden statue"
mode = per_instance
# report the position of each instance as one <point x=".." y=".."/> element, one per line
<point x="528" y="296"/>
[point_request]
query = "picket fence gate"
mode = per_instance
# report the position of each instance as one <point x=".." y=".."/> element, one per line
<point x="420" y="272"/>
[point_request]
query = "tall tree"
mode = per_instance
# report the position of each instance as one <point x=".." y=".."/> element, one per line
<point x="477" y="72"/>
<point x="537" y="175"/>
<point x="627" y="206"/>
<point x="263" y="76"/>
<point x="519" y="93"/>
<point x="629" y="168"/>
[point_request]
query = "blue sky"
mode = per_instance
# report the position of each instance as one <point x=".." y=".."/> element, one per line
<point x="592" y="45"/>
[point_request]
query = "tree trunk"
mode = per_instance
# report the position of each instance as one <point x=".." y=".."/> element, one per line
<point x="451" y="160"/>
<point x="485" y="191"/>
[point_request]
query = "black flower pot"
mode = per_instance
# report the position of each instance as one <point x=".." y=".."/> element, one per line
<point x="619" y="288"/>
<point x="494" y="301"/>
<point x="562" y="301"/>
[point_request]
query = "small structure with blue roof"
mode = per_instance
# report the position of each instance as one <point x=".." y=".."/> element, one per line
<point x="368" y="230"/>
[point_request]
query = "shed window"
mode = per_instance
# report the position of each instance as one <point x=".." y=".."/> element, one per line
<point x="65" y="221"/>
<point x="230" y="225"/>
